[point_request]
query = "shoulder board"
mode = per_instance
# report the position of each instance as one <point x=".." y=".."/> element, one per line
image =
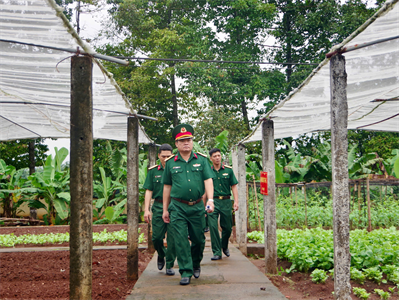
<point x="204" y="155"/>
<point x="170" y="157"/>
<point x="150" y="168"/>
<point x="226" y="166"/>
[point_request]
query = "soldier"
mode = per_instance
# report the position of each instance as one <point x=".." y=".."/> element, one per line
<point x="186" y="178"/>
<point x="154" y="189"/>
<point x="223" y="181"/>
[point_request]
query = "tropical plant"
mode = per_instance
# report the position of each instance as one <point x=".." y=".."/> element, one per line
<point x="113" y="214"/>
<point x="12" y="188"/>
<point x="52" y="184"/>
<point x="319" y="276"/>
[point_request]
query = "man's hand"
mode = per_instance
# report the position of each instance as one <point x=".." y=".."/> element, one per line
<point x="235" y="205"/>
<point x="165" y="217"/>
<point x="210" y="205"/>
<point x="147" y="216"/>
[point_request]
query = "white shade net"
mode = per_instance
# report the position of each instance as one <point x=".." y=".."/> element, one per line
<point x="372" y="74"/>
<point x="35" y="82"/>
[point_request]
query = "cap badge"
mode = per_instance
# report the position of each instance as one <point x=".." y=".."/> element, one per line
<point x="183" y="129"/>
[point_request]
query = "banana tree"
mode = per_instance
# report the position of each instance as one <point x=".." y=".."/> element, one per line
<point x="361" y="167"/>
<point x="12" y="188"/>
<point x="52" y="185"/>
<point x="391" y="165"/>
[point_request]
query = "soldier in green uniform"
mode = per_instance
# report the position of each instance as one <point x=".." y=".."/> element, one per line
<point x="154" y="190"/>
<point x="223" y="181"/>
<point x="186" y="178"/>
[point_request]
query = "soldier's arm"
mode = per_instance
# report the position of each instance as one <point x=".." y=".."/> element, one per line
<point x="147" y="201"/>
<point x="209" y="194"/>
<point x="166" y="200"/>
<point x="235" y="195"/>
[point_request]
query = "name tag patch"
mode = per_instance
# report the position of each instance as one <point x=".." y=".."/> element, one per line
<point x="177" y="167"/>
<point x="225" y="174"/>
<point x="158" y="176"/>
<point x="196" y="165"/>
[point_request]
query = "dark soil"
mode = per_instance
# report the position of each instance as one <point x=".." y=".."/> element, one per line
<point x="45" y="275"/>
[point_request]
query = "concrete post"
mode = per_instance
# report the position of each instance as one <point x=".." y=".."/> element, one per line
<point x="269" y="201"/>
<point x="152" y="158"/>
<point x="340" y="176"/>
<point x="241" y="214"/>
<point x="81" y="182"/>
<point x="132" y="198"/>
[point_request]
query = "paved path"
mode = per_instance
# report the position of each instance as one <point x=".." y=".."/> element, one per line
<point x="233" y="277"/>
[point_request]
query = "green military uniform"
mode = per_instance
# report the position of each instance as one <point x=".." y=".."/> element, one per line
<point x="223" y="180"/>
<point x="186" y="209"/>
<point x="153" y="182"/>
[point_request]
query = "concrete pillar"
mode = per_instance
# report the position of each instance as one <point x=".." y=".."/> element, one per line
<point x="81" y="182"/>
<point x="340" y="176"/>
<point x="132" y="198"/>
<point x="241" y="214"/>
<point x="269" y="201"/>
<point x="152" y="158"/>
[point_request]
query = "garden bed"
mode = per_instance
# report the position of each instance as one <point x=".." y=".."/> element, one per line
<point x="45" y="274"/>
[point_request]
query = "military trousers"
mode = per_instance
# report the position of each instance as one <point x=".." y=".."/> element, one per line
<point x="188" y="220"/>
<point x="159" y="228"/>
<point x="223" y="208"/>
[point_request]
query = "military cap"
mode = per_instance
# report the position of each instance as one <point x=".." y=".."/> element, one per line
<point x="182" y="131"/>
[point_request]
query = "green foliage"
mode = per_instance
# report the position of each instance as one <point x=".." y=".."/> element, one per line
<point x="113" y="214"/>
<point x="52" y="183"/>
<point x="357" y="275"/>
<point x="16" y="153"/>
<point x="319" y="276"/>
<point x="314" y="249"/>
<point x="382" y="294"/>
<point x="361" y="293"/>
<point x="373" y="274"/>
<point x="10" y="240"/>
<point x="13" y="188"/>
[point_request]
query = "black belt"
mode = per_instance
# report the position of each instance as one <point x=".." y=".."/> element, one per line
<point x="222" y="197"/>
<point x="188" y="202"/>
<point x="159" y="200"/>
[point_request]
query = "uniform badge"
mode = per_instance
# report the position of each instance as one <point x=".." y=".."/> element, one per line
<point x="158" y="176"/>
<point x="225" y="174"/>
<point x="196" y="165"/>
<point x="183" y="129"/>
<point x="177" y="167"/>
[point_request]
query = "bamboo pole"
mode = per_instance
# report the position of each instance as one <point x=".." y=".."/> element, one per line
<point x="368" y="204"/>
<point x="257" y="204"/>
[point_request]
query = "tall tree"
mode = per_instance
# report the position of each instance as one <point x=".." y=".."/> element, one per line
<point x="155" y="29"/>
<point x="234" y="31"/>
<point x="16" y="153"/>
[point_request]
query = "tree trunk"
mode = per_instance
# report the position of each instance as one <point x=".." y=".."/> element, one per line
<point x="174" y="100"/>
<point x="245" y="114"/>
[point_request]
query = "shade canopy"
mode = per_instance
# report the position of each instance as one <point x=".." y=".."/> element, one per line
<point x="35" y="81"/>
<point x="372" y="91"/>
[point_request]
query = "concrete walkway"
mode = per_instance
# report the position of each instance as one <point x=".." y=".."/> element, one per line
<point x="233" y="277"/>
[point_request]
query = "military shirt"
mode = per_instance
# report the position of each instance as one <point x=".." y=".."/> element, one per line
<point x="223" y="180"/>
<point x="187" y="178"/>
<point x="153" y="181"/>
